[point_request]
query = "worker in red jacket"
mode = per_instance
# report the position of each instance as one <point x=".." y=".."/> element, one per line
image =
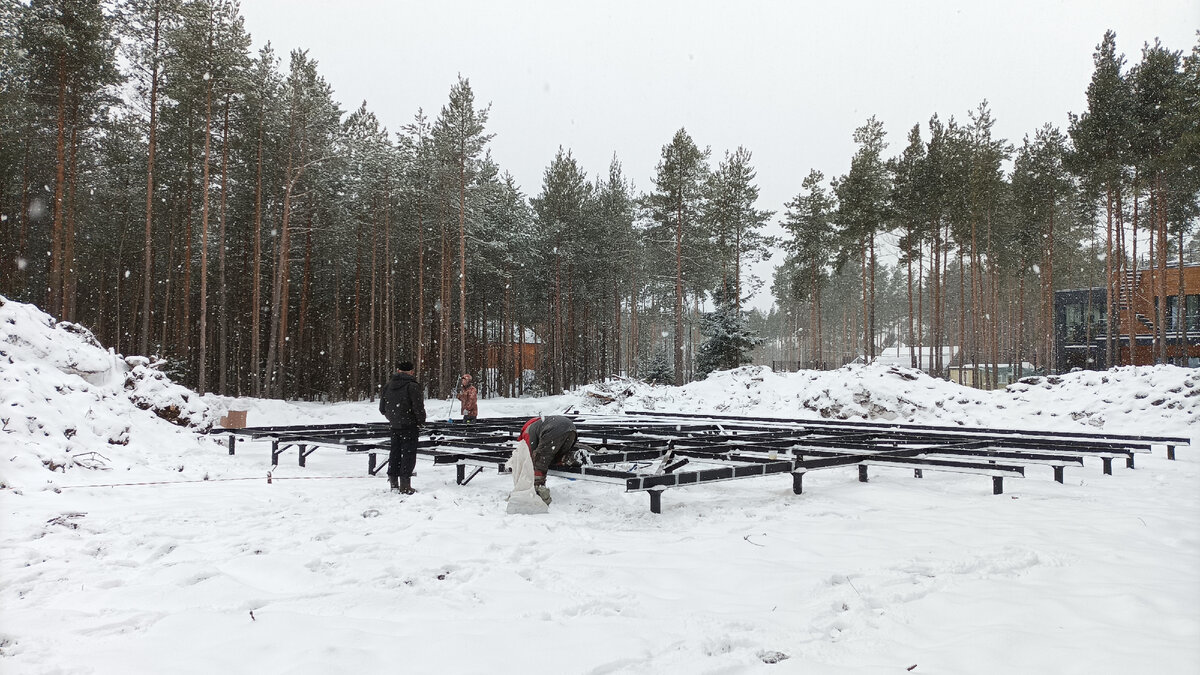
<point x="468" y="396"/>
<point x="551" y="440"/>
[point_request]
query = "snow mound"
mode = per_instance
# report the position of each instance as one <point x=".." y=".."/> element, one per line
<point x="1152" y="399"/>
<point x="69" y="404"/>
<point x="1158" y="399"/>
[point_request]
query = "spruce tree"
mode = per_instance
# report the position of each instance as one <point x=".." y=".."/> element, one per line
<point x="655" y="367"/>
<point x="729" y="337"/>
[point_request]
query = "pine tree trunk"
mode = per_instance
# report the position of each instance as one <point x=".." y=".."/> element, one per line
<point x="993" y="302"/>
<point x="935" y="293"/>
<point x="256" y="372"/>
<point x="372" y="305"/>
<point x="21" y="278"/>
<point x="389" y="332"/>
<point x="920" y="306"/>
<point x="1133" y="298"/>
<point x="617" y="354"/>
<point x="202" y="370"/>
<point x="737" y="270"/>
<point x="1124" y="308"/>
<point x="68" y="264"/>
<point x="571" y="363"/>
<point x="1181" y="326"/>
<point x="356" y="368"/>
<point x="504" y="355"/>
<point x="556" y="341"/>
<point x="976" y="307"/>
<point x="912" y="350"/>
<point x="278" y="322"/>
<point x="520" y="358"/>
<point x="54" y="300"/>
<point x="870" y="319"/>
<point x="944" y="279"/>
<point x="1110" y="293"/>
<point x="420" y="288"/>
<point x="304" y="371"/>
<point x="679" y="293"/>
<point x="815" y="318"/>
<point x="166" y="307"/>
<point x="148" y="248"/>
<point x="1020" y="334"/>
<point x="962" y="310"/>
<point x="1161" y="193"/>
<point x="443" y="318"/>
<point x="222" y="289"/>
<point x="462" y="262"/>
<point x="863" y="290"/>
<point x="1048" y="297"/>
<point x="1152" y="268"/>
<point x="183" y="316"/>
<point x="634" y="338"/>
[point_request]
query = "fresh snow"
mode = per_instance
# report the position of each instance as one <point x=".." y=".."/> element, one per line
<point x="132" y="544"/>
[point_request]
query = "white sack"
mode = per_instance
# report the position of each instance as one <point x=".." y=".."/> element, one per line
<point x="523" y="498"/>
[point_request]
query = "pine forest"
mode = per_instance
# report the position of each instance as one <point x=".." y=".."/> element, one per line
<point x="184" y="196"/>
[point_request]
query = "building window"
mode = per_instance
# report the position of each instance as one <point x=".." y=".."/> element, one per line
<point x="1080" y="324"/>
<point x="1175" y="316"/>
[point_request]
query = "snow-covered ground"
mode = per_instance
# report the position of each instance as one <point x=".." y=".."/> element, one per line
<point x="130" y="544"/>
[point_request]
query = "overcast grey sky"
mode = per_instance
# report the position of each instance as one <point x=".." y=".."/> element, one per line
<point x="788" y="80"/>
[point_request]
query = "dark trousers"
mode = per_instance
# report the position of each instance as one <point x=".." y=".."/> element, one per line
<point x="551" y="449"/>
<point x="403" y="457"/>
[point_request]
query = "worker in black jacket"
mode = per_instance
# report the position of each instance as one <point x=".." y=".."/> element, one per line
<point x="402" y="401"/>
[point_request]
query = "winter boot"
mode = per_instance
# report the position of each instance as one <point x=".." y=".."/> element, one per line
<point x="406" y="486"/>
<point x="393" y="483"/>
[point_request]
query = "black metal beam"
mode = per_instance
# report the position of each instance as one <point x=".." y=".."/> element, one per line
<point x="905" y="426"/>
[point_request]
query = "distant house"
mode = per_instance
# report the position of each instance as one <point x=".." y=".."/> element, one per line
<point x="1080" y="320"/>
<point x="980" y="374"/>
<point x="520" y="354"/>
<point x="899" y="355"/>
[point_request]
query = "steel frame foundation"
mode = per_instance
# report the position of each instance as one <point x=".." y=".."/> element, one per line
<point x="648" y="451"/>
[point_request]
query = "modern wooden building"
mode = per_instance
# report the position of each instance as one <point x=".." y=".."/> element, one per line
<point x="1080" y="321"/>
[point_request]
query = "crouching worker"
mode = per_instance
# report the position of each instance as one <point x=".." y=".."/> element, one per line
<point x="402" y="401"/>
<point x="551" y="441"/>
